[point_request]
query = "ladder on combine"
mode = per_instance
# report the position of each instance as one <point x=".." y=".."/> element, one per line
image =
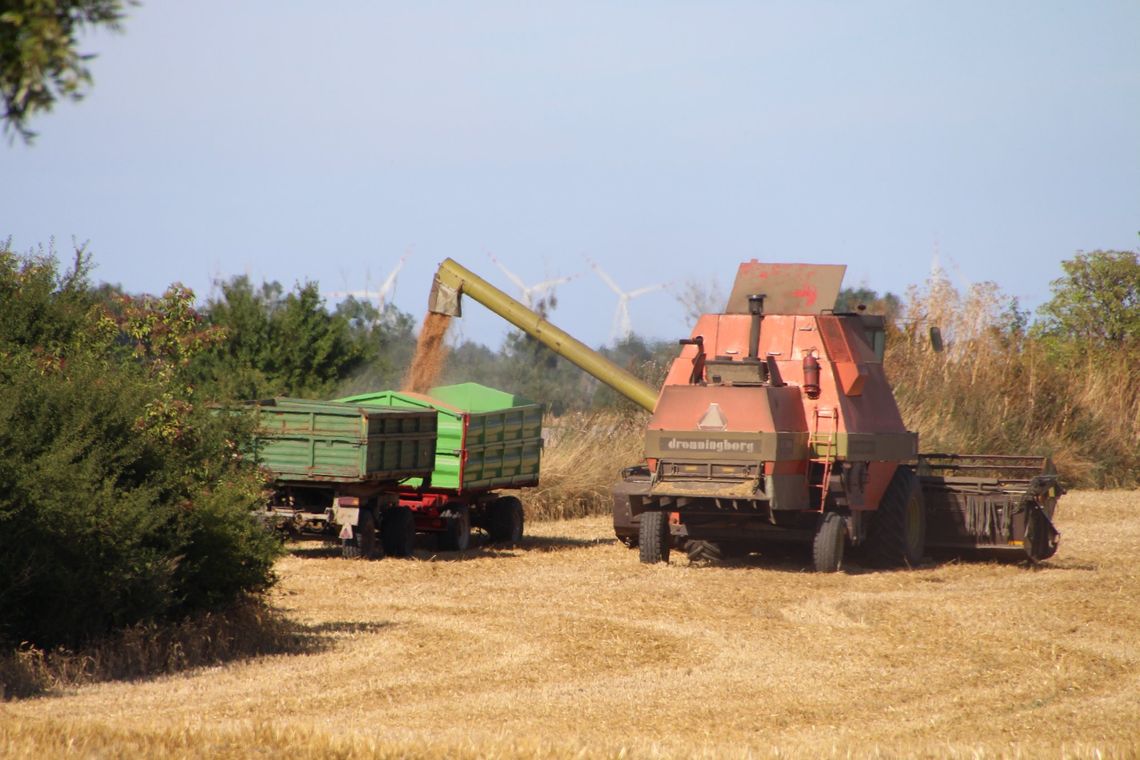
<point x="823" y="447"/>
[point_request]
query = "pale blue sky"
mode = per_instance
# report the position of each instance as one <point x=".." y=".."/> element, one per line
<point x="666" y="140"/>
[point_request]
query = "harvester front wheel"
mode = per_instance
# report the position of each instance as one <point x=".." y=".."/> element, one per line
<point x="896" y="536"/>
<point x="398" y="532"/>
<point x="653" y="537"/>
<point x="505" y="520"/>
<point x="827" y="548"/>
<point x="456" y="535"/>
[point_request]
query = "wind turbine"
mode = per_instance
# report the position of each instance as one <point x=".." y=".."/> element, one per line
<point x="381" y="295"/>
<point x="622" y="325"/>
<point x="529" y="293"/>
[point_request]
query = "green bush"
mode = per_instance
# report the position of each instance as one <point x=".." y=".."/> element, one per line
<point x="120" y="498"/>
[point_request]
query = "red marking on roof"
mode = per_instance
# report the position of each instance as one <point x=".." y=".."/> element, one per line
<point x="808" y="293"/>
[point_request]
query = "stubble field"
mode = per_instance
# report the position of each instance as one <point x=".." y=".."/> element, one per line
<point x="567" y="646"/>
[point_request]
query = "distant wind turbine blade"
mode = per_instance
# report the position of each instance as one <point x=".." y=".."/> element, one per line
<point x="390" y="280"/>
<point x="514" y="278"/>
<point x="646" y="289"/>
<point x="350" y="294"/>
<point x="548" y="284"/>
<point x="606" y="278"/>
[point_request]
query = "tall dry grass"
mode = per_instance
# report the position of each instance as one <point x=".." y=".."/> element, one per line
<point x="998" y="388"/>
<point x="584" y="456"/>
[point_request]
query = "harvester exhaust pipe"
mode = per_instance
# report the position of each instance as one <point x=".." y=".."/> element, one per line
<point x="453" y="281"/>
<point x="756" y="309"/>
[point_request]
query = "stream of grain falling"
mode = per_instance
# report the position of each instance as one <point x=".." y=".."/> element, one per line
<point x="430" y="354"/>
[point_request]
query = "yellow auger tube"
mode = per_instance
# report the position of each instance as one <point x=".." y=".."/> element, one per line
<point x="453" y="281"/>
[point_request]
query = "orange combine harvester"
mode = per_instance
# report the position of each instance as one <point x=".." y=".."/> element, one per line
<point x="776" y="422"/>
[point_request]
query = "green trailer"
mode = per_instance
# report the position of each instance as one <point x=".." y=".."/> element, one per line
<point x="487" y="440"/>
<point x="304" y="441"/>
<point x="337" y="469"/>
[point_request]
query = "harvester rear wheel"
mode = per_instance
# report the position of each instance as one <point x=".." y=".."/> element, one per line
<point x="827" y="548"/>
<point x="653" y="537"/>
<point x="456" y="536"/>
<point x="505" y="520"/>
<point x="398" y="532"/>
<point x="701" y="551"/>
<point x="896" y="535"/>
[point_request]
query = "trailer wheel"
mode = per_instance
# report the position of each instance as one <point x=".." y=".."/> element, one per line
<point x="896" y="535"/>
<point x="827" y="548"/>
<point x="398" y="532"/>
<point x="456" y="535"/>
<point x="701" y="551"/>
<point x="363" y="543"/>
<point x="505" y="520"/>
<point x="653" y="537"/>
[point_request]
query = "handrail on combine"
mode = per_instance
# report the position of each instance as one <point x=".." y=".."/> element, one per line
<point x="998" y="465"/>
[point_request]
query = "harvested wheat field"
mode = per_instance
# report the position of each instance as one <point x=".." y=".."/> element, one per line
<point x="567" y="646"/>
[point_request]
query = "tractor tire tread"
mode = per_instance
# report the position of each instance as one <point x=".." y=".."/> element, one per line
<point x="654" y="538"/>
<point x="701" y="551"/>
<point x="887" y="543"/>
<point x="827" y="547"/>
<point x="398" y="532"/>
<point x="506" y="520"/>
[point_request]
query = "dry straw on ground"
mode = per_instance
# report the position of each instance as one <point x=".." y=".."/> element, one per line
<point x="567" y="646"/>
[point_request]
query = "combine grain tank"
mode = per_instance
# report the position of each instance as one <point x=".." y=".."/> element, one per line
<point x="777" y="423"/>
<point x="337" y="469"/>
<point x="487" y="440"/>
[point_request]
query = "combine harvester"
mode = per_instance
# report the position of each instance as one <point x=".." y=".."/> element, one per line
<point x="776" y="423"/>
<point x="378" y="468"/>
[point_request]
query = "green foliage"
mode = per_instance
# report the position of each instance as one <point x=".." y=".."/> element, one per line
<point x="391" y="336"/>
<point x="120" y="497"/>
<point x="1098" y="300"/>
<point x="647" y="360"/>
<point x="850" y="299"/>
<point x="278" y="344"/>
<point x="530" y="369"/>
<point x="39" y="59"/>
